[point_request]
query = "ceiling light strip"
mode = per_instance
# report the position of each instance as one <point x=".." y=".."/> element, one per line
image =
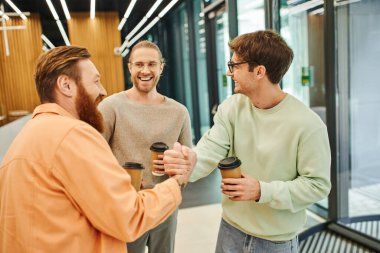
<point x="130" y="7"/>
<point x="65" y="9"/>
<point x="64" y="35"/>
<point x="289" y="2"/>
<point x="137" y="27"/>
<point x="122" y="22"/>
<point x="153" y="8"/>
<point x="142" y="32"/>
<point x="152" y="23"/>
<point x="3" y="15"/>
<point x="317" y="11"/>
<point x="14" y="7"/>
<point x="47" y="41"/>
<point x="52" y="9"/>
<point x="142" y="22"/>
<point x="305" y="6"/>
<point x="126" y="51"/>
<point x="124" y="45"/>
<point x="126" y="15"/>
<point x="5" y="35"/>
<point x="92" y="10"/>
<point x="128" y="43"/>
<point x="167" y="8"/>
<point x="59" y="23"/>
<point x="45" y="49"/>
<point x="336" y="4"/>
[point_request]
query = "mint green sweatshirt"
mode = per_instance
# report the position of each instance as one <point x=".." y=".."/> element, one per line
<point x="286" y="148"/>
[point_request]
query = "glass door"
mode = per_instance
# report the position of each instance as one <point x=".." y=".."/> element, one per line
<point x="222" y="55"/>
<point x="358" y="52"/>
<point x="201" y="65"/>
<point x="217" y="54"/>
<point x="302" y="26"/>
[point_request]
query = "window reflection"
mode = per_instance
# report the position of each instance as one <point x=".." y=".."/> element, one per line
<point x="251" y="15"/>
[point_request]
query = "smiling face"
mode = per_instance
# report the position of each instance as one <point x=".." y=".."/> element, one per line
<point x="90" y="79"/>
<point x="90" y="92"/>
<point x="145" y="67"/>
<point x="243" y="78"/>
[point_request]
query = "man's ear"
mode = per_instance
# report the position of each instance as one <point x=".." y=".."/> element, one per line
<point x="162" y="68"/>
<point x="261" y="71"/>
<point x="65" y="85"/>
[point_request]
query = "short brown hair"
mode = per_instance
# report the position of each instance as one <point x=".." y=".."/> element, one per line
<point x="57" y="61"/>
<point x="264" y="48"/>
<point x="147" y="44"/>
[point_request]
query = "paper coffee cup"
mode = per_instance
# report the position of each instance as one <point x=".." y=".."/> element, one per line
<point x="135" y="170"/>
<point x="230" y="167"/>
<point x="157" y="148"/>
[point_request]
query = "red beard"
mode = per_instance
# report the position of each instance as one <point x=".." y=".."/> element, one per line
<point x="87" y="110"/>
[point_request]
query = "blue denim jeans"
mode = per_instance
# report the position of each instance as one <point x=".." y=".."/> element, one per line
<point x="232" y="240"/>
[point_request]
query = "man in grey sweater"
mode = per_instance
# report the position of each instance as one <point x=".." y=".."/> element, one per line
<point x="138" y="117"/>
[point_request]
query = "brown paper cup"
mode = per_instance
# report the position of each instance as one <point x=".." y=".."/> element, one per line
<point x="135" y="170"/>
<point x="230" y="167"/>
<point x="157" y="148"/>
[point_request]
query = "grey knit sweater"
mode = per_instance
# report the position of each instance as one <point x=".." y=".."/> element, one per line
<point x="130" y="129"/>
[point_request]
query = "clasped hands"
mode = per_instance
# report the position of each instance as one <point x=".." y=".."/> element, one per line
<point x="177" y="163"/>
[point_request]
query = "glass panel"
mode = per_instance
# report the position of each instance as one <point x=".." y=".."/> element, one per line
<point x="208" y="2"/>
<point x="200" y="50"/>
<point x="358" y="54"/>
<point x="222" y="54"/>
<point x="184" y="41"/>
<point x="251" y="15"/>
<point x="302" y="28"/>
<point x="179" y="63"/>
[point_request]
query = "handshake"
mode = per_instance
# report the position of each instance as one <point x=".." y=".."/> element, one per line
<point x="177" y="163"/>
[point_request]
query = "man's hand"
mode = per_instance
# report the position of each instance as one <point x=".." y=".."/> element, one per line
<point x="238" y="189"/>
<point x="158" y="165"/>
<point x="179" y="162"/>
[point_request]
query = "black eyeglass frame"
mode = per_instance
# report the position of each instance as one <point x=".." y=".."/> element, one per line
<point x="231" y="64"/>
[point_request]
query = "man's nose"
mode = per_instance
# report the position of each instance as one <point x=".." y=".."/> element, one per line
<point x="145" y="68"/>
<point x="102" y="91"/>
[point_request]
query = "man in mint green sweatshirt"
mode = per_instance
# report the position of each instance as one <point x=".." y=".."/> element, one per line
<point x="282" y="144"/>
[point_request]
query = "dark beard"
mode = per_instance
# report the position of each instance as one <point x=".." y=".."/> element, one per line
<point x="87" y="109"/>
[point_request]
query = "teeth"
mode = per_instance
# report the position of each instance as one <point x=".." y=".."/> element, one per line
<point x="145" y="78"/>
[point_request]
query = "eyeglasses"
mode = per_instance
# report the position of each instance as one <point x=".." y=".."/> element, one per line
<point x="141" y="65"/>
<point x="232" y="64"/>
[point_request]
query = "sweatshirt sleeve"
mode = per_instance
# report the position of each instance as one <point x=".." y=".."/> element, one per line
<point x="101" y="190"/>
<point x="213" y="146"/>
<point x="185" y="137"/>
<point x="313" y="181"/>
